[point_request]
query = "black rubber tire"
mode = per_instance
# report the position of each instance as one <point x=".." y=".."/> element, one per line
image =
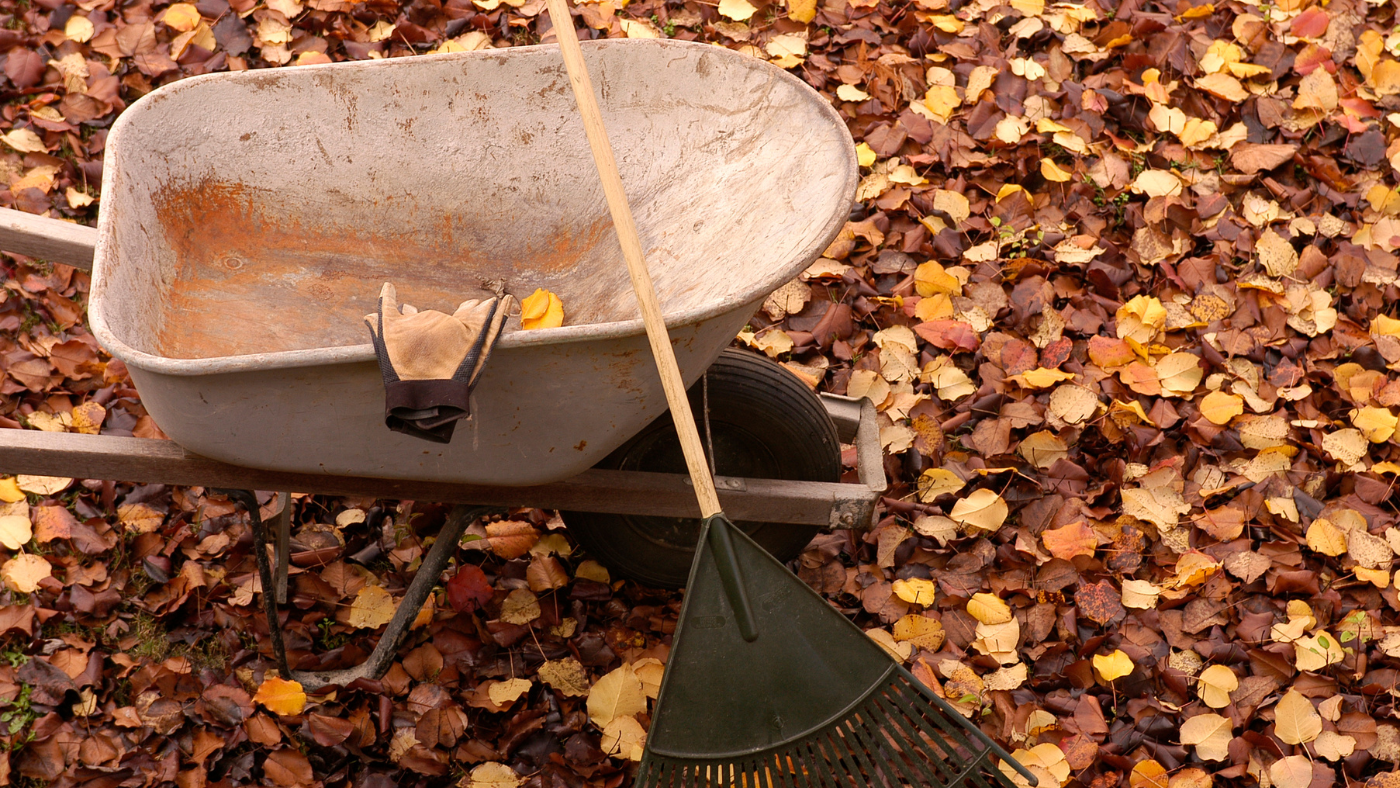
<point x="766" y="424"/>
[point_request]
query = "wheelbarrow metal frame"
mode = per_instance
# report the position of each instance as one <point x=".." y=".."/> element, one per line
<point x="820" y="504"/>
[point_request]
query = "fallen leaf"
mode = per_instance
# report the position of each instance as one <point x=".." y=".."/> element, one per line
<point x="542" y="309"/>
<point x="23" y="572"/>
<point x="281" y="697"/>
<point x="1215" y="684"/>
<point x="373" y="608"/>
<point x="988" y="609"/>
<point x="1112" y="666"/>
<point x="982" y="509"/>
<point x="1210" y="734"/>
<point x="1295" y="719"/>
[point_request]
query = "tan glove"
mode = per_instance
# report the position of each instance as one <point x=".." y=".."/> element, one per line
<point x="431" y="361"/>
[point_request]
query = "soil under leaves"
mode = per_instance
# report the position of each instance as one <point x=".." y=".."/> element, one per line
<point x="1120" y="280"/>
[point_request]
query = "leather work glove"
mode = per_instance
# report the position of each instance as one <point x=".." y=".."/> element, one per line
<point x="431" y="360"/>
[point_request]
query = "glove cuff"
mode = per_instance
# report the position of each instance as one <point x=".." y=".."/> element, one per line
<point x="426" y="409"/>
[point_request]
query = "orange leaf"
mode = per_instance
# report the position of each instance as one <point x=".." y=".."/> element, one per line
<point x="1074" y="539"/>
<point x="285" y="698"/>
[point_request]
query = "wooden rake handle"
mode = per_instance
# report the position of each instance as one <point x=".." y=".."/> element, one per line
<point x="632" y="252"/>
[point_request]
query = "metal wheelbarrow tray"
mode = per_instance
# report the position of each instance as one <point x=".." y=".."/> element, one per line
<point x="249" y="219"/>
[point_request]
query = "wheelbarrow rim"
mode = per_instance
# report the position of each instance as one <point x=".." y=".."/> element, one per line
<point x="516" y="339"/>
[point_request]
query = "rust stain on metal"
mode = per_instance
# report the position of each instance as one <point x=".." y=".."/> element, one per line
<point x="254" y="274"/>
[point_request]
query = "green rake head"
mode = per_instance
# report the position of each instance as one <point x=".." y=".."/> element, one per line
<point x="768" y="686"/>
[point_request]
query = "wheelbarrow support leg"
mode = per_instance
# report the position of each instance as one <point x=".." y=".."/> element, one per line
<point x="284" y="545"/>
<point x="428" y="574"/>
<point x="249" y="500"/>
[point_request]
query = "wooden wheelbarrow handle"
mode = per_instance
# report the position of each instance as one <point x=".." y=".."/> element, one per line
<point x="671" y="381"/>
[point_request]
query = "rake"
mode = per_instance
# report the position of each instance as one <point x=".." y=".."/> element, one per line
<point x="781" y="690"/>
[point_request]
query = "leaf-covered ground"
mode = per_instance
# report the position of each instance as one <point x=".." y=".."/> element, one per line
<point x="1120" y="280"/>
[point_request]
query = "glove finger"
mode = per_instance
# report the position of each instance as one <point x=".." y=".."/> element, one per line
<point x="388" y="299"/>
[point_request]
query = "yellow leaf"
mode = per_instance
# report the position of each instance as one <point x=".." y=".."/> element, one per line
<point x="852" y="93"/>
<point x="1141" y="319"/>
<point x="1007" y="190"/>
<point x="1157" y="183"/>
<point x="1380" y="578"/>
<point x="78" y="28"/>
<point x="9" y="491"/>
<point x="1219" y="407"/>
<point x="541" y="309"/>
<point x="1140" y="594"/>
<point x="504" y="693"/>
<point x="936" y="482"/>
<point x="1224" y="86"/>
<point x="88" y="417"/>
<point x="24" y="141"/>
<point x="1199" y="11"/>
<point x="1276" y="254"/>
<point x="372" y="608"/>
<point x="1041" y="378"/>
<point x="899" y="652"/>
<point x="988" y="609"/>
<point x="1210" y="734"/>
<point x="1295" y="719"/>
<point x="1317" y="651"/>
<point x="1294" y="771"/>
<point x="1113" y="666"/>
<point x="803" y="11"/>
<point x="520" y="607"/>
<point x="1052" y="172"/>
<point x="182" y="16"/>
<point x="649" y="671"/>
<point x="1216" y="684"/>
<point x="492" y="775"/>
<point x="618" y="694"/>
<point x="1043" y="449"/>
<point x="1377" y="424"/>
<point x="915" y="591"/>
<point x="925" y="633"/>
<point x="23" y="572"/>
<point x="15" y="531"/>
<point x="1179" y="374"/>
<point x="787" y="50"/>
<point x="43" y="485"/>
<point x="624" y="738"/>
<point x="982" y="509"/>
<point x="738" y="10"/>
<point x="281" y="697"/>
<point x="1326" y="538"/>
<point x="566" y="675"/>
<point x="931" y="278"/>
<point x="865" y="156"/>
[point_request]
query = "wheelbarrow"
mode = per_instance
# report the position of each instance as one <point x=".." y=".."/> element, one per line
<point x="235" y="260"/>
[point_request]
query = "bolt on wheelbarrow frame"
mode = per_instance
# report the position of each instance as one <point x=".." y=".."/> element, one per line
<point x="819" y="504"/>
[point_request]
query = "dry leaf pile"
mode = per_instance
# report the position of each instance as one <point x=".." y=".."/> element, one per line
<point x="1121" y="283"/>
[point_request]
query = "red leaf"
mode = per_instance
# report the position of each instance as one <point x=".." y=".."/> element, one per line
<point x="468" y="590"/>
<point x="25" y="67"/>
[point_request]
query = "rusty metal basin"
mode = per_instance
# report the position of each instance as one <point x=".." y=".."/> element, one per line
<point x="249" y="219"/>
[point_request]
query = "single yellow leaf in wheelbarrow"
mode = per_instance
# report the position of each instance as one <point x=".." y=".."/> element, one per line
<point x="281" y="697"/>
<point x="541" y="309"/>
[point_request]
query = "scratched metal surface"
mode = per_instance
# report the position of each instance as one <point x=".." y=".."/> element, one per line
<point x="250" y="218"/>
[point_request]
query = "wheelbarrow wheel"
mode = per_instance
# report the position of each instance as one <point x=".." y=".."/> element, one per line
<point x="765" y="423"/>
